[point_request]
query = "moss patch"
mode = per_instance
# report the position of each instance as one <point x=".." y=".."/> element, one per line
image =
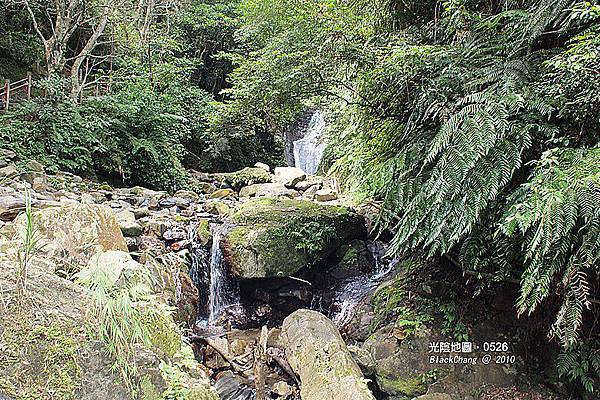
<point x="409" y="387"/>
<point x="38" y="360"/>
<point x="245" y="177"/>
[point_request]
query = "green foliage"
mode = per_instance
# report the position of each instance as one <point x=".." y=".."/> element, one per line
<point x="556" y="213"/>
<point x="309" y="237"/>
<point x="29" y="246"/>
<point x="452" y="324"/>
<point x="125" y="314"/>
<point x="136" y="135"/>
<point x="581" y="363"/>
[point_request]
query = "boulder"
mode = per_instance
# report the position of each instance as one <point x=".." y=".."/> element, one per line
<point x="187" y="194"/>
<point x="263" y="166"/>
<point x="403" y="365"/>
<point x="244" y="177"/>
<point x="268" y="190"/>
<point x="303" y="185"/>
<point x="318" y="354"/>
<point x="222" y="194"/>
<point x="278" y="237"/>
<point x="10" y="171"/>
<point x="311" y="192"/>
<point x="289" y="176"/>
<point x="47" y="352"/>
<point x="128" y="224"/>
<point x="72" y="234"/>
<point x="217" y="208"/>
<point x="325" y="195"/>
<point x="204" y="187"/>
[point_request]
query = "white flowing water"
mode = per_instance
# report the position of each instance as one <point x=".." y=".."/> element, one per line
<point x="308" y="151"/>
<point x="351" y="294"/>
<point x="209" y="272"/>
<point x="223" y="292"/>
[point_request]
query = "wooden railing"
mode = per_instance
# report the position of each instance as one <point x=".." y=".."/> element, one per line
<point x="12" y="90"/>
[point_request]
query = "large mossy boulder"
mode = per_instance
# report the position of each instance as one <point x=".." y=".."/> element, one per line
<point x="244" y="177"/>
<point x="50" y="348"/>
<point x="318" y="354"/>
<point x="70" y="235"/>
<point x="278" y="237"/>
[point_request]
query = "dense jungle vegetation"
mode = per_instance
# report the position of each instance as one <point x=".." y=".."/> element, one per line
<point x="473" y="125"/>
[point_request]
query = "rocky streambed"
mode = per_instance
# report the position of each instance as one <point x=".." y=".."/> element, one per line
<point x="262" y="271"/>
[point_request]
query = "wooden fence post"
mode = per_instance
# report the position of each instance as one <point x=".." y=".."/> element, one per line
<point x="7" y="89"/>
<point x="29" y="83"/>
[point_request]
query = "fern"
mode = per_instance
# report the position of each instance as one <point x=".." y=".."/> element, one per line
<point x="557" y="212"/>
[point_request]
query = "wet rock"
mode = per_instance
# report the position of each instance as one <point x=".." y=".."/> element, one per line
<point x="232" y="387"/>
<point x="175" y="233"/>
<point x="128" y="224"/>
<point x="318" y="354"/>
<point x="289" y="176"/>
<point x="268" y="190"/>
<point x="222" y="194"/>
<point x="325" y="195"/>
<point x="278" y="237"/>
<point x="167" y="203"/>
<point x="155" y="227"/>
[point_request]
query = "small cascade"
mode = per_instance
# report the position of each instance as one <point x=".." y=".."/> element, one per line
<point x="218" y="291"/>
<point x="351" y="294"/>
<point x="223" y="291"/>
<point x="308" y="151"/>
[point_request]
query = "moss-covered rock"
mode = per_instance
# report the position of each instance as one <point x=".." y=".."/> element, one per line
<point x="245" y="177"/>
<point x="318" y="354"/>
<point x="278" y="237"/>
<point x="70" y="235"/>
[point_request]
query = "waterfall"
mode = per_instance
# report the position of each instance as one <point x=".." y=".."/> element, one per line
<point x="308" y="151"/>
<point x="351" y="294"/>
<point x="218" y="290"/>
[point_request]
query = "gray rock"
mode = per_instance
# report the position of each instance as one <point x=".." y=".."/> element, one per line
<point x="11" y="206"/>
<point x="289" y="176"/>
<point x="268" y="190"/>
<point x="10" y="171"/>
<point x="263" y="166"/>
<point x="318" y="354"/>
<point x="128" y="224"/>
<point x="311" y="192"/>
<point x="7" y="154"/>
<point x="34" y="166"/>
<point x="279" y="236"/>
<point x="325" y="195"/>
